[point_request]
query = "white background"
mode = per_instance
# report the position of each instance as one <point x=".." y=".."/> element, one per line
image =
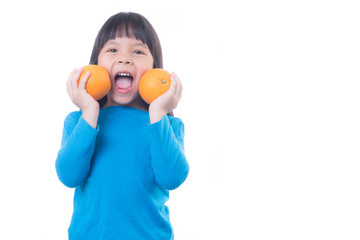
<point x="270" y="105"/>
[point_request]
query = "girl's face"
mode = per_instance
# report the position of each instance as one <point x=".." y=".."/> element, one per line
<point x="126" y="60"/>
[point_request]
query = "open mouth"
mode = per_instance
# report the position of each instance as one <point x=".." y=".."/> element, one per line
<point x="124" y="82"/>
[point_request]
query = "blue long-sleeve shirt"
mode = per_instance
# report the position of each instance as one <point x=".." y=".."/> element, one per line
<point x="122" y="173"/>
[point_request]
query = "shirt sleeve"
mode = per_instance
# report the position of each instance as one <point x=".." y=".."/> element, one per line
<point x="77" y="147"/>
<point x="168" y="159"/>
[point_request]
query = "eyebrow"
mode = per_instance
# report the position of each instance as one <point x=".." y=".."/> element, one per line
<point x="137" y="44"/>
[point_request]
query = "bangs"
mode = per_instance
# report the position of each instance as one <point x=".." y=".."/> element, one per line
<point x="130" y="30"/>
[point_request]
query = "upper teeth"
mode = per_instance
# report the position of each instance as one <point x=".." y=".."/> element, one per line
<point x="124" y="74"/>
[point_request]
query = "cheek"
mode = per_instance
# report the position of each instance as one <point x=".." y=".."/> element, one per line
<point x="102" y="59"/>
<point x="142" y="71"/>
<point x="150" y="65"/>
<point x="104" y="63"/>
<point x="152" y="62"/>
<point x="143" y="67"/>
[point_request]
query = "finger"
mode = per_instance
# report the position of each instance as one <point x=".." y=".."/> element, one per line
<point x="75" y="79"/>
<point x="180" y="89"/>
<point x="178" y="86"/>
<point x="83" y="80"/>
<point x="69" y="82"/>
<point x="173" y="85"/>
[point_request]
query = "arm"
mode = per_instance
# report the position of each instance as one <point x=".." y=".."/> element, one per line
<point x="78" y="142"/>
<point x="77" y="147"/>
<point x="167" y="152"/>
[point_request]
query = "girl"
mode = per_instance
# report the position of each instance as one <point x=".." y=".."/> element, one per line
<point x="121" y="155"/>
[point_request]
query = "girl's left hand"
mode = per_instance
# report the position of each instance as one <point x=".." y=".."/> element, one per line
<point x="166" y="102"/>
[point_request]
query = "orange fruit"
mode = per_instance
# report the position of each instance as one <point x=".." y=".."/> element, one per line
<point x="153" y="84"/>
<point x="98" y="84"/>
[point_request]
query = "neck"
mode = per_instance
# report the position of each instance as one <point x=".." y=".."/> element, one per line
<point x="137" y="103"/>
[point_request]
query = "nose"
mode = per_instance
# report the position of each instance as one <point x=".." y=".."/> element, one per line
<point x="124" y="59"/>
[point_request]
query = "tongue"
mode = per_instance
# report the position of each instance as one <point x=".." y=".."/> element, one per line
<point x="123" y="83"/>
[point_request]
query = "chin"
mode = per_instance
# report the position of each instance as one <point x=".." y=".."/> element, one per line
<point x="122" y="101"/>
<point x="127" y="101"/>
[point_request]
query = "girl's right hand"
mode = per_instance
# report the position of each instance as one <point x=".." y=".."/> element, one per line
<point x="79" y="96"/>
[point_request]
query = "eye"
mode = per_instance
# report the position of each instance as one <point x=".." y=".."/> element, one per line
<point x="112" y="50"/>
<point x="136" y="52"/>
